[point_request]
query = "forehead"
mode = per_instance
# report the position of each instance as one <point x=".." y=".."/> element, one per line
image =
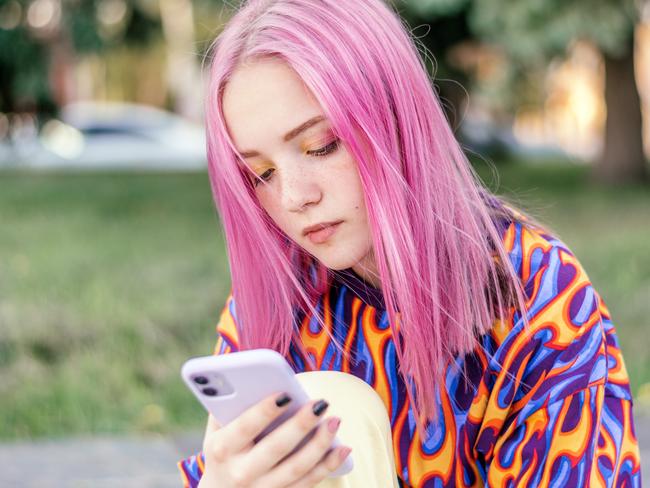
<point x="263" y="100"/>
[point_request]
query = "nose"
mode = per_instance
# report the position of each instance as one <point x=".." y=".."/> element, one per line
<point x="299" y="189"/>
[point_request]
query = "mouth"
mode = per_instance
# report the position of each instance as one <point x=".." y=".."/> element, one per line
<point x="321" y="232"/>
<point x="319" y="226"/>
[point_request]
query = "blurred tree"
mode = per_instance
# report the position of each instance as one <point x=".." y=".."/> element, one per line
<point x="440" y="27"/>
<point x="183" y="71"/>
<point x="532" y="33"/>
<point x="443" y="29"/>
<point x="23" y="63"/>
<point x="40" y="40"/>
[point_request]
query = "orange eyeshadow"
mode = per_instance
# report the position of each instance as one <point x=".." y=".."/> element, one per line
<point x="313" y="144"/>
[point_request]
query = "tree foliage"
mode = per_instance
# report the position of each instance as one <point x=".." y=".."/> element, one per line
<point x="533" y="30"/>
<point x="26" y="50"/>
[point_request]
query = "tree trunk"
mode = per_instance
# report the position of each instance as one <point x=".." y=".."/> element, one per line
<point x="183" y="73"/>
<point x="61" y="70"/>
<point x="623" y="160"/>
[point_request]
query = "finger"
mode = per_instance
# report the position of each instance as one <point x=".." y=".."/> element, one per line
<point x="273" y="448"/>
<point x="328" y="464"/>
<point x="240" y="433"/>
<point x="298" y="464"/>
<point x="211" y="426"/>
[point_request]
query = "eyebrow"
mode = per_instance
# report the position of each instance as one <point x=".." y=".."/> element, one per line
<point x="290" y="135"/>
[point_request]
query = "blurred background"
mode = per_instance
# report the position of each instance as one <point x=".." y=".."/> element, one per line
<point x="112" y="263"/>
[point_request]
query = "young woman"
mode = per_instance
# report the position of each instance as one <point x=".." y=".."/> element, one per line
<point x="361" y="243"/>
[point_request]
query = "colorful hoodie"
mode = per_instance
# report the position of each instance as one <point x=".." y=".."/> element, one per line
<point x="546" y="405"/>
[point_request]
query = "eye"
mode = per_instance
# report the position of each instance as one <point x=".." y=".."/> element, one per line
<point x="264" y="176"/>
<point x="324" y="151"/>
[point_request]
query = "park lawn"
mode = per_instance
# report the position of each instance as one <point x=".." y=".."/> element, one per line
<point x="108" y="282"/>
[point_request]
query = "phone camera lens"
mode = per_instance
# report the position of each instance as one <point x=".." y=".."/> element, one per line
<point x="209" y="391"/>
<point x="201" y="380"/>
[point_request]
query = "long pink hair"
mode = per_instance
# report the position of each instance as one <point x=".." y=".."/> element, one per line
<point x="439" y="252"/>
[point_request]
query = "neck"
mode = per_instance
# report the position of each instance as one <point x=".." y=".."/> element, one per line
<point x="367" y="270"/>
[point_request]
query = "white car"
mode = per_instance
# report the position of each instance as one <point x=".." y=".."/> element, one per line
<point x="110" y="136"/>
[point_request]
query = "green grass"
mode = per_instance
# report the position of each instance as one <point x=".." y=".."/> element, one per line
<point x="108" y="282"/>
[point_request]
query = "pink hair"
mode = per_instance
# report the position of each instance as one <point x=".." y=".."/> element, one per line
<point x="439" y="253"/>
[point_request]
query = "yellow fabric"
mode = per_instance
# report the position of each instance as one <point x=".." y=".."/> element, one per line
<point x="365" y="427"/>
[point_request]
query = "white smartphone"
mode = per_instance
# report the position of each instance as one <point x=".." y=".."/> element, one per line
<point x="228" y="384"/>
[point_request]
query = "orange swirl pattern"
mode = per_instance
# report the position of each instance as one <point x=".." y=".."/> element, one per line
<point x="545" y="405"/>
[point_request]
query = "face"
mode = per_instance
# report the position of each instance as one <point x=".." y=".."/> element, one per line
<point x="308" y="175"/>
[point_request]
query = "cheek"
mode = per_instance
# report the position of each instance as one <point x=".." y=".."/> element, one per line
<point x="355" y="190"/>
<point x="271" y="208"/>
<point x="345" y="178"/>
<point x="274" y="210"/>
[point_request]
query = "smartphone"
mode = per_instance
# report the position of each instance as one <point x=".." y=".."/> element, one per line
<point x="228" y="384"/>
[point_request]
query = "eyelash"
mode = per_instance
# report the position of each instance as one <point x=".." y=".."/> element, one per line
<point x="319" y="153"/>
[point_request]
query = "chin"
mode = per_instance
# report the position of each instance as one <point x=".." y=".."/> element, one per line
<point x="337" y="260"/>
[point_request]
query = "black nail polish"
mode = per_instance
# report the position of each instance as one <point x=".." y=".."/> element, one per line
<point x="319" y="407"/>
<point x="282" y="400"/>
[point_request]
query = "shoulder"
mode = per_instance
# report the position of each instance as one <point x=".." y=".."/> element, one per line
<point x="566" y="354"/>
<point x="227" y="334"/>
<point x="557" y="288"/>
<point x="568" y="342"/>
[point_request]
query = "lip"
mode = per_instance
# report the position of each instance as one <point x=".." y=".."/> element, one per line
<point x="323" y="233"/>
<point x="320" y="226"/>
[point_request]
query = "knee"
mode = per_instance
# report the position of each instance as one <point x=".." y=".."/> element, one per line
<point x="345" y="392"/>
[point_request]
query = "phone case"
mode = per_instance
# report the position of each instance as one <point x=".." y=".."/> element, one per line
<point x="239" y="380"/>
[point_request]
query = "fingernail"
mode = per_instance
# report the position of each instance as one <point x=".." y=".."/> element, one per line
<point x="319" y="407"/>
<point x="282" y="400"/>
<point x="333" y="424"/>
<point x="343" y="453"/>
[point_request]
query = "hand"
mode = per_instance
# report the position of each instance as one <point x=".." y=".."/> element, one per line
<point x="232" y="460"/>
